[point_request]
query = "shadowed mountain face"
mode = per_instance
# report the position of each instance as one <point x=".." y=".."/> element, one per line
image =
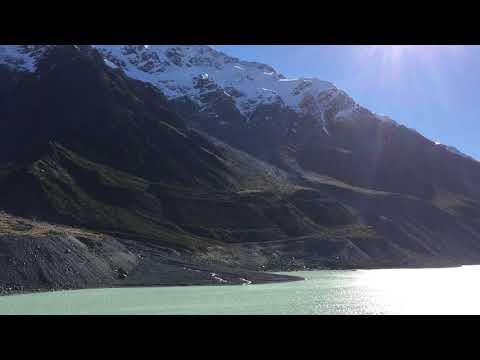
<point x="85" y="145"/>
<point x="75" y="100"/>
<point x="362" y="151"/>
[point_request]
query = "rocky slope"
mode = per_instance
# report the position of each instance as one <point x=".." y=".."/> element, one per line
<point x="36" y="256"/>
<point x="200" y="175"/>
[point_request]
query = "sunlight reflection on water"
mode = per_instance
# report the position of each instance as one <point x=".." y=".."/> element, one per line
<point x="390" y="291"/>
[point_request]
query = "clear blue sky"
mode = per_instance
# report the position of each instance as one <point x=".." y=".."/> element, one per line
<point x="433" y="89"/>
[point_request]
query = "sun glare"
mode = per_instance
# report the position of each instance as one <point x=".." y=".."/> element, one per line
<point x="392" y="53"/>
<point x="396" y="55"/>
<point x="413" y="291"/>
<point x="386" y="64"/>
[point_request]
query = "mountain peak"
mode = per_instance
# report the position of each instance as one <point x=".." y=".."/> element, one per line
<point x="204" y="74"/>
<point x="176" y="70"/>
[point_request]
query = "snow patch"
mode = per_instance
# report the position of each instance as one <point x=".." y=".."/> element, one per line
<point x="344" y="114"/>
<point x="245" y="281"/>
<point x="269" y="90"/>
<point x="153" y="64"/>
<point x="110" y="64"/>
<point x="215" y="276"/>
<point x="17" y="57"/>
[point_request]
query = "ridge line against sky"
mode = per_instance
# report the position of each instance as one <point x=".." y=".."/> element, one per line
<point x="432" y="89"/>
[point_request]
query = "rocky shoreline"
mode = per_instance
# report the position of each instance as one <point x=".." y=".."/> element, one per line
<point x="109" y="263"/>
<point x="64" y="262"/>
<point x="40" y="257"/>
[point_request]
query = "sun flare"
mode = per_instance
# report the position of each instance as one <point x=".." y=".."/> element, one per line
<point x="394" y="62"/>
<point x="395" y="53"/>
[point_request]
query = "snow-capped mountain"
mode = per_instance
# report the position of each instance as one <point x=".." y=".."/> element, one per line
<point x="195" y="71"/>
<point x="22" y="57"/>
<point x="202" y="74"/>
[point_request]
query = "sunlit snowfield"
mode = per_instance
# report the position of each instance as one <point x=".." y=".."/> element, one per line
<point x="395" y="291"/>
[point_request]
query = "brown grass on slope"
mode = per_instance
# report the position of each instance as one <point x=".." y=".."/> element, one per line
<point x="13" y="225"/>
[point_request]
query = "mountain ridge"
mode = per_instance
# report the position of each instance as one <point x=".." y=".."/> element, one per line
<point x="197" y="70"/>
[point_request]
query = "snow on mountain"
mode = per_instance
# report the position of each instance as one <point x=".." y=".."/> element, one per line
<point x="195" y="71"/>
<point x="21" y="57"/>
